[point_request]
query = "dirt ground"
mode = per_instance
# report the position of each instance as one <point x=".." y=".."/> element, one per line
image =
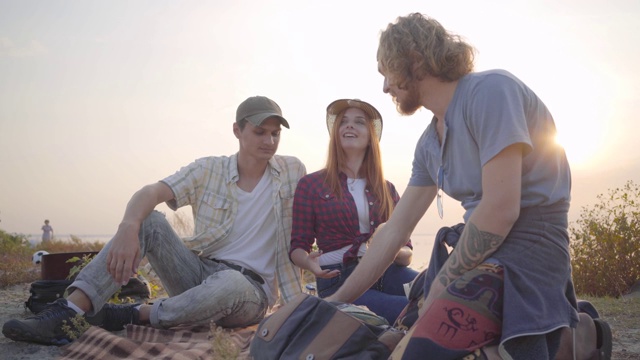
<point x="626" y="341"/>
<point x="12" y="301"/>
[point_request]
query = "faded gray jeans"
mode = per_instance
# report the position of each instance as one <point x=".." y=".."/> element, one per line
<point x="200" y="290"/>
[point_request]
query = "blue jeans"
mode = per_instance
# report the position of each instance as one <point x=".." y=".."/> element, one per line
<point x="386" y="297"/>
<point x="200" y="290"/>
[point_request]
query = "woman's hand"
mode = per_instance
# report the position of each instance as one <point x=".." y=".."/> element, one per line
<point x="310" y="261"/>
<point x="314" y="266"/>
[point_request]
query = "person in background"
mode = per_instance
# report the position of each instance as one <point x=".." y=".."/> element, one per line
<point x="230" y="272"/>
<point x="505" y="291"/>
<point x="47" y="232"/>
<point x="340" y="206"/>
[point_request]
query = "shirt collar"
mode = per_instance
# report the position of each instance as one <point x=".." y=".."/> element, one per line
<point x="276" y="169"/>
<point x="233" y="176"/>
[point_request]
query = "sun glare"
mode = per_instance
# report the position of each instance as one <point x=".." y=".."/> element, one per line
<point x="583" y="143"/>
<point x="582" y="119"/>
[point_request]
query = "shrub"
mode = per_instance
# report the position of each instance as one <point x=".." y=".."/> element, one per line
<point x="15" y="259"/>
<point x="605" y="244"/>
<point x="9" y="242"/>
<point x="76" y="327"/>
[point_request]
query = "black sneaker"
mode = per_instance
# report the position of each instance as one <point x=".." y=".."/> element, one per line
<point x="45" y="327"/>
<point x="114" y="317"/>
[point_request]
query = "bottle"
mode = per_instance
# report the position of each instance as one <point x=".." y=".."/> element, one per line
<point x="310" y="289"/>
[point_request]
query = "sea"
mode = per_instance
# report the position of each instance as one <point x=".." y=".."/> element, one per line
<point x="422" y="248"/>
<point x="35" y="239"/>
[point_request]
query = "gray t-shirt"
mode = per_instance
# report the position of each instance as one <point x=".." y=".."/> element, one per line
<point x="488" y="112"/>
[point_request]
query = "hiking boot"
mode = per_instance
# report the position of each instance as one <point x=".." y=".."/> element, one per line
<point x="45" y="327"/>
<point x="137" y="288"/>
<point x="114" y="317"/>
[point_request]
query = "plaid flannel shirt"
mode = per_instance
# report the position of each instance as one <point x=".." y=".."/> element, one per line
<point x="331" y="222"/>
<point x="208" y="185"/>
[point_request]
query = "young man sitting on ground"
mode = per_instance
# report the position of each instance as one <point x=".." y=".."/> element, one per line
<point x="230" y="272"/>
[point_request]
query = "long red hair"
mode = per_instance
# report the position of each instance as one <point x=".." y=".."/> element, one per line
<point x="371" y="168"/>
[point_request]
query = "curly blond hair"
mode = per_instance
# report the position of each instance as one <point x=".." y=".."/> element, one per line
<point x="416" y="45"/>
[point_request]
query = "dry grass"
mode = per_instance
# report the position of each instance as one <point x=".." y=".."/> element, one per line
<point x="17" y="270"/>
<point x="75" y="244"/>
<point x="222" y="344"/>
<point x="16" y="266"/>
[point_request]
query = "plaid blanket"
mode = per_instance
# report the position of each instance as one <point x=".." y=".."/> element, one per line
<point x="144" y="342"/>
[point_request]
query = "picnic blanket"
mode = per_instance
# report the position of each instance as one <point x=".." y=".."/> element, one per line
<point x="145" y="342"/>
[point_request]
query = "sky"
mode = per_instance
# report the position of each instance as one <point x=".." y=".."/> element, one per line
<point x="98" y="99"/>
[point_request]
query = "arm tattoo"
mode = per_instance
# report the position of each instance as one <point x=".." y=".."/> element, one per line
<point x="473" y="248"/>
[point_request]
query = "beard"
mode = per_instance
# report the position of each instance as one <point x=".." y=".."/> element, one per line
<point x="410" y="103"/>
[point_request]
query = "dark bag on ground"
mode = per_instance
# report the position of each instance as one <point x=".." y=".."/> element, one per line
<point x="310" y="328"/>
<point x="43" y="292"/>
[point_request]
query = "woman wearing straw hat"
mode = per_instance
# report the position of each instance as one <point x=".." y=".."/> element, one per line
<point x="340" y="206"/>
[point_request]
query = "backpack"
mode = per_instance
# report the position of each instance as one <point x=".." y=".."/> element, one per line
<point x="310" y="328"/>
<point x="409" y="315"/>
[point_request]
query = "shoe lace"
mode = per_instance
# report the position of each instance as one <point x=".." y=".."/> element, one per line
<point x="52" y="312"/>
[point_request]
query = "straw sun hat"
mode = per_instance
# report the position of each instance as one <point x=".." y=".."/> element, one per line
<point x="339" y="106"/>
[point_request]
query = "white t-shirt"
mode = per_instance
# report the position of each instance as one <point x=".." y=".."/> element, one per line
<point x="252" y="241"/>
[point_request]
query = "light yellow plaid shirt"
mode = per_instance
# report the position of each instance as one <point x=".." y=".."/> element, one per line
<point x="208" y="185"/>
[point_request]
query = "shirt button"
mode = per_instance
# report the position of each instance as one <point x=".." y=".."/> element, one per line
<point x="372" y="223"/>
<point x="326" y="196"/>
<point x="370" y="202"/>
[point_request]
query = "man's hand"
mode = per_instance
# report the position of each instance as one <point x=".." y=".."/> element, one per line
<point x="124" y="255"/>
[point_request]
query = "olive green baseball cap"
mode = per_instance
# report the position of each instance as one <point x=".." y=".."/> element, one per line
<point x="257" y="109"/>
